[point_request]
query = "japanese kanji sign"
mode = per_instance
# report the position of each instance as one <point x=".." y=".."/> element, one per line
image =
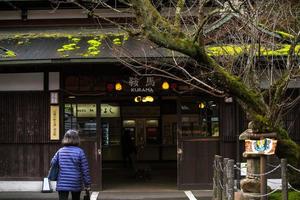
<point x="54" y="122"/>
<point x="141" y="85"/>
<point x="108" y="110"/>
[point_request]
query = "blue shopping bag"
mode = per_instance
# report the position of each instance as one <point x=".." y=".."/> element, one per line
<point x="53" y="172"/>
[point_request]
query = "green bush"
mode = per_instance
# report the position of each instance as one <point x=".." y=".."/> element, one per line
<point x="292" y="196"/>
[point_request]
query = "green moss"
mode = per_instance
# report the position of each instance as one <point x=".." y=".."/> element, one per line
<point x="94" y="42"/>
<point x="117" y="41"/>
<point x="285" y="35"/>
<point x="94" y="46"/>
<point x="234" y="50"/>
<point x="76" y="40"/>
<point x="9" y="54"/>
<point x="231" y="50"/>
<point x="287" y="148"/>
<point x="293" y="195"/>
<point x="66" y="48"/>
<point x="282" y="50"/>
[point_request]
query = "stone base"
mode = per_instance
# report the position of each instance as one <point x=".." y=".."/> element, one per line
<point x="245" y="196"/>
<point x="250" y="185"/>
<point x="249" y="196"/>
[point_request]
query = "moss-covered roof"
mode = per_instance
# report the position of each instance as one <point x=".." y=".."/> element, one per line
<point x="59" y="44"/>
<point x="102" y="43"/>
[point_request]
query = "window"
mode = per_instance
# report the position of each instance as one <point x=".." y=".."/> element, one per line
<point x="200" y="119"/>
<point x="81" y="117"/>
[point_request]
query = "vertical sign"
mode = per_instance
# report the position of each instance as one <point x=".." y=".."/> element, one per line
<point x="54" y="122"/>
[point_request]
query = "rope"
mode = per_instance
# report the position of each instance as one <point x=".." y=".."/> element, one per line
<point x="271" y="165"/>
<point x="269" y="172"/>
<point x="293" y="188"/>
<point x="221" y="185"/>
<point x="264" y="195"/>
<point x="294" y="168"/>
<point x="221" y="167"/>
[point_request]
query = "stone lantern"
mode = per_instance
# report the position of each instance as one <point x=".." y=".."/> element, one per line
<point x="256" y="162"/>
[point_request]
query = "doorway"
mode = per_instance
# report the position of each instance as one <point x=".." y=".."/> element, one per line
<point x="150" y="165"/>
<point x="84" y="117"/>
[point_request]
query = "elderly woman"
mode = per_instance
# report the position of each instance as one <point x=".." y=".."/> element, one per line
<point x="73" y="167"/>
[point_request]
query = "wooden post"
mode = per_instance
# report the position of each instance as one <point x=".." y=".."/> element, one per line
<point x="284" y="181"/>
<point x="263" y="177"/>
<point x="230" y="179"/>
<point x="215" y="178"/>
<point x="219" y="177"/>
<point x="225" y="186"/>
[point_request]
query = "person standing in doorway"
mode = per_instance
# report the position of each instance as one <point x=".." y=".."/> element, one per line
<point x="73" y="167"/>
<point x="128" y="149"/>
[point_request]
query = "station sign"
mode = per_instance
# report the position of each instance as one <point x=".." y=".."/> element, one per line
<point x="141" y="85"/>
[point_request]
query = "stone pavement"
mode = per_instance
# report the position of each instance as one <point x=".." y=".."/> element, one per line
<point x="112" y="195"/>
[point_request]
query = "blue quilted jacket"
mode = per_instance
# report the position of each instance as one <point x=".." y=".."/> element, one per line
<point x="73" y="169"/>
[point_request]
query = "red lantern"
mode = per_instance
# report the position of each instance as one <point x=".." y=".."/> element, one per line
<point x="110" y="87"/>
<point x="173" y="86"/>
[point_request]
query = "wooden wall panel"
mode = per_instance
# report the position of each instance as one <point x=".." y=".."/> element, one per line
<point x="292" y="122"/>
<point x="24" y="117"/>
<point x="25" y="161"/>
<point x="232" y="120"/>
<point x="196" y="164"/>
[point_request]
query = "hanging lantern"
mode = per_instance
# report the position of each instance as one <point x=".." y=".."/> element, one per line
<point x="118" y="86"/>
<point x="165" y="85"/>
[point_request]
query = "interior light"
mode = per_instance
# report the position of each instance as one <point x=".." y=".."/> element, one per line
<point x="118" y="87"/>
<point x="137" y="99"/>
<point x="201" y="105"/>
<point x="71" y="97"/>
<point x="149" y="99"/>
<point x="165" y="85"/>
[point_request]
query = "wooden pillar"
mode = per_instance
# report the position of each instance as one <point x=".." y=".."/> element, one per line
<point x="230" y="179"/>
<point x="263" y="177"/>
<point x="284" y="180"/>
<point x="219" y="177"/>
<point x="225" y="179"/>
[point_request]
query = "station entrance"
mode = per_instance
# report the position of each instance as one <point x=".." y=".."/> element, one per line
<point x="124" y="142"/>
<point x="142" y="136"/>
<point x="136" y="155"/>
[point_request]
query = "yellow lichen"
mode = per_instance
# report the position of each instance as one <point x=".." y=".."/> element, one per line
<point x="285" y="35"/>
<point x="235" y="50"/>
<point x="117" y="41"/>
<point x="94" y="45"/>
<point x="9" y="53"/>
<point x="69" y="47"/>
<point x="232" y="50"/>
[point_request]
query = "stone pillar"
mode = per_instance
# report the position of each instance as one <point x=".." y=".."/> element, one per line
<point x="251" y="184"/>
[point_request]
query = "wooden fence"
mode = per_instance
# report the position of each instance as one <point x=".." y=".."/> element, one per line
<point x="224" y="180"/>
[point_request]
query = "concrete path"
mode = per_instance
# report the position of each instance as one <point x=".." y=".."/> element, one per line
<point x="111" y="195"/>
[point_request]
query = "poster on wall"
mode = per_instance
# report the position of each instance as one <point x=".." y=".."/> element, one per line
<point x="265" y="146"/>
<point x="54" y="122"/>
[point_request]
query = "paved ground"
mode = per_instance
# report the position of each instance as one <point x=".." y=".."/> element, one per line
<point x="162" y="195"/>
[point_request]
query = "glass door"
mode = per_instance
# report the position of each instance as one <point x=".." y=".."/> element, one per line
<point x="85" y="118"/>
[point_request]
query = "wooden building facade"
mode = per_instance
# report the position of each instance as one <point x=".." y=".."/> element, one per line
<point x="43" y="94"/>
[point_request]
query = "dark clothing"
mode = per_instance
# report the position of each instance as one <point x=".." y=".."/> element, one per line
<point x="128" y="149"/>
<point x="73" y="169"/>
<point x="63" y="195"/>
